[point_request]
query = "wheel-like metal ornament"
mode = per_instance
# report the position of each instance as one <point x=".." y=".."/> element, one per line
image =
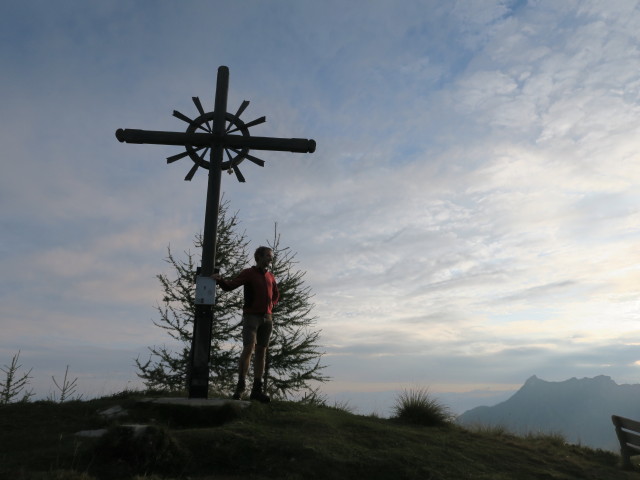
<point x="205" y="123"/>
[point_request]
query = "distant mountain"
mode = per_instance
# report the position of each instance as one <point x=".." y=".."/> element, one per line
<point x="578" y="409"/>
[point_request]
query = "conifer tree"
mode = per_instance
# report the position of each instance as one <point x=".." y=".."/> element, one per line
<point x="294" y="355"/>
<point x="14" y="383"/>
<point x="293" y="358"/>
<point x="166" y="369"/>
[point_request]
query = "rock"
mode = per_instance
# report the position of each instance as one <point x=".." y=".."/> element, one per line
<point x="114" y="412"/>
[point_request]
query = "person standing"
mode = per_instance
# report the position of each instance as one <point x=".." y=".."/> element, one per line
<point x="260" y="297"/>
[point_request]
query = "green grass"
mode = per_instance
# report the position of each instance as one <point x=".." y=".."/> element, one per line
<point x="281" y="440"/>
<point x="418" y="407"/>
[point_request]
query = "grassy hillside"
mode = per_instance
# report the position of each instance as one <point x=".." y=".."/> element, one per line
<point x="280" y="440"/>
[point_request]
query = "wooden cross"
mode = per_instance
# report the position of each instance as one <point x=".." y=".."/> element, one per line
<point x="209" y="133"/>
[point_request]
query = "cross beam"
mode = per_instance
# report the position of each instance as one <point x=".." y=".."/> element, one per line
<point x="216" y="139"/>
<point x="298" y="145"/>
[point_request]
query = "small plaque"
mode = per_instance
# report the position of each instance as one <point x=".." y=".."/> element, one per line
<point x="205" y="291"/>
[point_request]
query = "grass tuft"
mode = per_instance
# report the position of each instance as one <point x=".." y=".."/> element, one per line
<point x="496" y="431"/>
<point x="555" y="439"/>
<point x="418" y="407"/>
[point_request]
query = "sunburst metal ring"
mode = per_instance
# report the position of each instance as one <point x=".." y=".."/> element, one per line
<point x="205" y="123"/>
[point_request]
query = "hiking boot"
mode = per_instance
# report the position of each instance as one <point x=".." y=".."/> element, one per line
<point x="258" y="394"/>
<point x="240" y="387"/>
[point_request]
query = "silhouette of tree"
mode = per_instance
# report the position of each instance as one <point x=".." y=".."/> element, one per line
<point x="294" y="354"/>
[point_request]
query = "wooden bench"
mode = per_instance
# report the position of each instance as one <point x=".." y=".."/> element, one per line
<point x="628" y="432"/>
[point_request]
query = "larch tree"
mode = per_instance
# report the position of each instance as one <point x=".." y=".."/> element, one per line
<point x="294" y="359"/>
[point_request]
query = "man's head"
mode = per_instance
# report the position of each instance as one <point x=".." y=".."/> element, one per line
<point x="263" y="256"/>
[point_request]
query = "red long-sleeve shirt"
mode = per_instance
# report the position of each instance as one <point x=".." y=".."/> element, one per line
<point x="260" y="290"/>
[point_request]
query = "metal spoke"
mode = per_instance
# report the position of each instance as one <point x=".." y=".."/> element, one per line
<point x="245" y="104"/>
<point x="239" y="175"/>
<point x="234" y="164"/>
<point x="198" y="105"/>
<point x="230" y="158"/>
<point x="192" y="172"/>
<point x="241" y="108"/>
<point x="196" y="101"/>
<point x="197" y="164"/>
<point x="251" y="158"/>
<point x="174" y="158"/>
<point x="184" y="118"/>
<point x="257" y="121"/>
<point x="177" y="157"/>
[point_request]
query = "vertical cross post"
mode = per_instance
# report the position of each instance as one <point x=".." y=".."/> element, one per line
<point x="198" y="373"/>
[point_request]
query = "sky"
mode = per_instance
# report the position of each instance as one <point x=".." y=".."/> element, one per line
<point x="470" y="217"/>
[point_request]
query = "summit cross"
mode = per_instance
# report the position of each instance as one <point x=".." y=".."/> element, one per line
<point x="212" y="133"/>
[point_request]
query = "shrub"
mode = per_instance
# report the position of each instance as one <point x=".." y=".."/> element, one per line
<point x="418" y="407"/>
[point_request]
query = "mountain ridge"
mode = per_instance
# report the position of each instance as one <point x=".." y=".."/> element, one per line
<point x="579" y="409"/>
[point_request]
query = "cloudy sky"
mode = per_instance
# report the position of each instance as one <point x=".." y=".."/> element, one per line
<point x="471" y="216"/>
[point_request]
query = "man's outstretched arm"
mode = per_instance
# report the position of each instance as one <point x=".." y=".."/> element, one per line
<point x="228" y="285"/>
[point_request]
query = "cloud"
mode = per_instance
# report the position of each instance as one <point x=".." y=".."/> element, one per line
<point x="445" y="368"/>
<point x="469" y="214"/>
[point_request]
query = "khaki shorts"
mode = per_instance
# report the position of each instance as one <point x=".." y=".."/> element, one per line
<point x="256" y="329"/>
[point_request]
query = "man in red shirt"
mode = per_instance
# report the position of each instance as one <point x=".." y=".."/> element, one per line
<point x="260" y="296"/>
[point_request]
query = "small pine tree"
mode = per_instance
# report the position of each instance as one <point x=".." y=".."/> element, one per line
<point x="14" y="384"/>
<point x="166" y="370"/>
<point x="66" y="387"/>
<point x="293" y="358"/>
